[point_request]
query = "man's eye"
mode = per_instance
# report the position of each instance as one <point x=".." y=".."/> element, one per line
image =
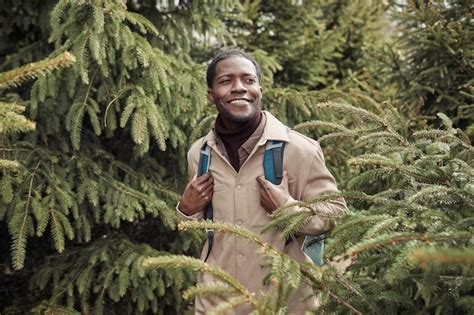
<point x="225" y="81"/>
<point x="251" y="80"/>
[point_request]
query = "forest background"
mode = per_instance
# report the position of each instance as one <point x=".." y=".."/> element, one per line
<point x="100" y="100"/>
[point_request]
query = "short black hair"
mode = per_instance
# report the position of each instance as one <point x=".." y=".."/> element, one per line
<point x="211" y="69"/>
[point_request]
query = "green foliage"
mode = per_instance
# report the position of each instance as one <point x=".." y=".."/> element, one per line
<point x="285" y="275"/>
<point x="106" y="277"/>
<point x="410" y="189"/>
<point x="428" y="64"/>
<point x="12" y="120"/>
<point x="316" y="43"/>
<point x="109" y="147"/>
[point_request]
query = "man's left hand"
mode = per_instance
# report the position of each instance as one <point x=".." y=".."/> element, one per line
<point x="273" y="196"/>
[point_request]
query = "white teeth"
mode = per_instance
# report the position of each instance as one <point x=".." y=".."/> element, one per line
<point x="239" y="101"/>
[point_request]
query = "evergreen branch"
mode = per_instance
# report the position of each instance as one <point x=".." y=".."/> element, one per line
<point x="394" y="238"/>
<point x="291" y="222"/>
<point x="357" y="219"/>
<point x="178" y="262"/>
<point x="449" y="256"/>
<point x="434" y="192"/>
<point x="19" y="239"/>
<point x="9" y="164"/>
<point x="342" y="301"/>
<point x="229" y="304"/>
<point x="376" y="136"/>
<point x="378" y="200"/>
<point x="12" y="120"/>
<point x="310" y="271"/>
<point x="313" y="124"/>
<point x="212" y="289"/>
<point x="33" y="70"/>
<point x="52" y="309"/>
<point x="449" y="136"/>
<point x="378" y="160"/>
<point x="352" y="110"/>
<point x="75" y="129"/>
<point x="143" y="23"/>
<point x="224" y="228"/>
<point x="337" y="135"/>
<point x="119" y="94"/>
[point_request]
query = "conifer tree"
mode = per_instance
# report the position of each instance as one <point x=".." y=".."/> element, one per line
<point x="428" y="63"/>
<point x="97" y="189"/>
<point x="11" y="119"/>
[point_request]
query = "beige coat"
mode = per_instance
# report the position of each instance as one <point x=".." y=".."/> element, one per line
<point x="236" y="200"/>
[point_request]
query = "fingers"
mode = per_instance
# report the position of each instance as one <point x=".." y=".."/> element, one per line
<point x="206" y="177"/>
<point x="261" y="180"/>
<point x="207" y="193"/>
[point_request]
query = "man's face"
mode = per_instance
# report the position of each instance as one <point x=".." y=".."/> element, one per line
<point x="236" y="90"/>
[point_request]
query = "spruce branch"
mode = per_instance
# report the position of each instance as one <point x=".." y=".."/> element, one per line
<point x="180" y="262"/>
<point x="11" y="119"/>
<point x="34" y="70"/>
<point x="381" y="161"/>
<point x="225" y="228"/>
<point x="8" y="164"/>
<point x="348" y="109"/>
<point x="444" y="256"/>
<point x="398" y="237"/>
<point x="376" y="136"/>
<point x="280" y="264"/>
<point x="315" y="124"/>
<point x="211" y="289"/>
<point x="25" y="226"/>
<point x="228" y="305"/>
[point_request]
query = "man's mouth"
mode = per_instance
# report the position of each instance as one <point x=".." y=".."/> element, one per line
<point x="239" y="101"/>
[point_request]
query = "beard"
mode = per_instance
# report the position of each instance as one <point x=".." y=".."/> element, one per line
<point x="238" y="117"/>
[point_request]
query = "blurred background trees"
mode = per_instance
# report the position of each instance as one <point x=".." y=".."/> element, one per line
<point x="95" y="183"/>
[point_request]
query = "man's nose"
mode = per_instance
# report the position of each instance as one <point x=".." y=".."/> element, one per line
<point x="238" y="86"/>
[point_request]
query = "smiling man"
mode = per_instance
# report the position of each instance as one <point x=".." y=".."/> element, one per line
<point x="235" y="184"/>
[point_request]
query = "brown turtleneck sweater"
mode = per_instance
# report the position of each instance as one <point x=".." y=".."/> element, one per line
<point x="234" y="138"/>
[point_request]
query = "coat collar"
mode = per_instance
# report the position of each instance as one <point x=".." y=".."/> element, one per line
<point x="274" y="130"/>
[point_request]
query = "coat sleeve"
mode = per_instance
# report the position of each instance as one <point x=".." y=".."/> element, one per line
<point x="193" y="161"/>
<point x="320" y="181"/>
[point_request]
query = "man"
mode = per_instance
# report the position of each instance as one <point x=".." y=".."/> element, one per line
<point x="235" y="183"/>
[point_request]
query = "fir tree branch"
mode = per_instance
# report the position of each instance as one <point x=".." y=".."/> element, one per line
<point x="184" y="262"/>
<point x="450" y="256"/>
<point x="394" y="238"/>
<point x="34" y="70"/>
<point x="19" y="238"/>
<point x="212" y="289"/>
<point x="341" y="300"/>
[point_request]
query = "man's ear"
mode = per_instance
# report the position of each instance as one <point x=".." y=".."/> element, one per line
<point x="210" y="96"/>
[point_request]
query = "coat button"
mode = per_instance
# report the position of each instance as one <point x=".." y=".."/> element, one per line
<point x="240" y="255"/>
<point x="239" y="222"/>
<point x="239" y="187"/>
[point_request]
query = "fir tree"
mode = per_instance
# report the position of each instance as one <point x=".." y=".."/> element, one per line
<point x="428" y="62"/>
<point x="96" y="182"/>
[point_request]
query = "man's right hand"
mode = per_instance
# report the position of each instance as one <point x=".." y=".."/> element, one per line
<point x="197" y="194"/>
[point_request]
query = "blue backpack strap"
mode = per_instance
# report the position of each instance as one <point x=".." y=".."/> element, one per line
<point x="203" y="168"/>
<point x="204" y="159"/>
<point x="273" y="161"/>
<point x="313" y="246"/>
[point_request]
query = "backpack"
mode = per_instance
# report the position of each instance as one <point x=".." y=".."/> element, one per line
<point x="313" y="245"/>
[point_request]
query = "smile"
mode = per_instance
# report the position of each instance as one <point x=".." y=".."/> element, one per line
<point x="239" y="101"/>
